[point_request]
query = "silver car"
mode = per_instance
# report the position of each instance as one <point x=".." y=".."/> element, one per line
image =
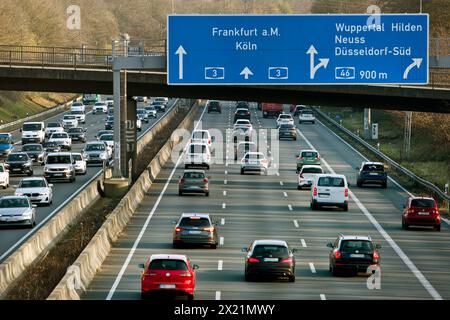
<point x="254" y="162"/>
<point x="17" y="211"/>
<point x="95" y="153"/>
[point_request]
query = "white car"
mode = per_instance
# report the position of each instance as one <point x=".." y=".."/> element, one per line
<point x="243" y="122"/>
<point x="33" y="132"/>
<point x="254" y="162"/>
<point x="62" y="139"/>
<point x="197" y="155"/>
<point x="306" y="116"/>
<point x="151" y="111"/>
<point x="53" y="127"/>
<point x="79" y="115"/>
<point x="36" y="189"/>
<point x="100" y="107"/>
<point x="78" y="106"/>
<point x="80" y="163"/>
<point x="4" y="176"/>
<point x="201" y="136"/>
<point x="285" y="118"/>
<point x="69" y="121"/>
<point x="138" y="124"/>
<point x="242" y="132"/>
<point x="306" y="175"/>
<point x="17" y="211"/>
<point x="108" y="139"/>
<point x="329" y="190"/>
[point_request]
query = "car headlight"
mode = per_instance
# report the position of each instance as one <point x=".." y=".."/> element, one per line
<point x="27" y="164"/>
<point x="103" y="155"/>
<point x="27" y="213"/>
<point x="18" y="194"/>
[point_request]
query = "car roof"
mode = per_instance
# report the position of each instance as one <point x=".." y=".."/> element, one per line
<point x="334" y="175"/>
<point x="32" y="178"/>
<point x="77" y="153"/>
<point x="370" y="162"/>
<point x="241" y="109"/>
<point x="194" y="170"/>
<point x="308" y="150"/>
<point x="14" y="197"/>
<point x="59" y="154"/>
<point x="270" y="242"/>
<point x="168" y="256"/>
<point x="18" y="152"/>
<point x="254" y="152"/>
<point x="188" y="215"/>
<point x="355" y="237"/>
<point x="418" y="197"/>
<point x="6" y="134"/>
<point x="311" y="166"/>
<point x="33" y="122"/>
<point x="95" y="142"/>
<point x="200" y="131"/>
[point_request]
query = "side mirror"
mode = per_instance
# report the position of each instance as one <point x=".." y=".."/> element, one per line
<point x="378" y="246"/>
<point x="195" y="266"/>
<point x="213" y="139"/>
<point x="294" y="250"/>
<point x="173" y="222"/>
<point x="51" y="185"/>
<point x="244" y="249"/>
<point x="34" y="206"/>
<point x="297" y="155"/>
<point x="141" y="265"/>
<point x="330" y="245"/>
<point x="20" y="129"/>
<point x="357" y="168"/>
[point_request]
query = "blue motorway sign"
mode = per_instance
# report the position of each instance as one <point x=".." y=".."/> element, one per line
<point x="297" y="49"/>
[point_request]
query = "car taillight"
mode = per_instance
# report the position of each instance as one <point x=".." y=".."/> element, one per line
<point x="252" y="260"/>
<point x="287" y="260"/>
<point x="315" y="192"/>
<point x="178" y="229"/>
<point x="205" y="180"/>
<point x="299" y="158"/>
<point x="187" y="274"/>
<point x="337" y="254"/>
<point x="209" y="141"/>
<point x="376" y="256"/>
<point x="346" y="192"/>
<point x="209" y="229"/>
<point x="318" y="158"/>
<point x="301" y="175"/>
<point x="263" y="161"/>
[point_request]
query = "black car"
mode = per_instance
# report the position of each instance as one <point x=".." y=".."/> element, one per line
<point x="109" y="124"/>
<point x="372" y="173"/>
<point x="77" y="134"/>
<point x="35" y="151"/>
<point x="287" y="131"/>
<point x="214" y="106"/>
<point x="159" y="106"/>
<point x="19" y="163"/>
<point x="353" y="254"/>
<point x="269" y="258"/>
<point x="298" y="109"/>
<point x="51" y="146"/>
<point x="241" y="114"/>
<point x="102" y="132"/>
<point x="242" y="105"/>
<point x="195" y="228"/>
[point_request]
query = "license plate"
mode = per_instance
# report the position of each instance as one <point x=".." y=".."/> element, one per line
<point x="270" y="259"/>
<point x="373" y="174"/>
<point x="58" y="174"/>
<point x="324" y="195"/>
<point x="423" y="213"/>
<point x="357" y="255"/>
<point x="15" y="169"/>
<point x="167" y="286"/>
<point x="195" y="232"/>
<point x="253" y="162"/>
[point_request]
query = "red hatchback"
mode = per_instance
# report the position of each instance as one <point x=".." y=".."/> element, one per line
<point x="168" y="274"/>
<point x="420" y="211"/>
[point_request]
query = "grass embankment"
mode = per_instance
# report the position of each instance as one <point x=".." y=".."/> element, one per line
<point x="17" y="105"/>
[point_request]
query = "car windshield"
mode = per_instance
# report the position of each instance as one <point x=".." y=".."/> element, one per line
<point x="62" y="135"/>
<point x="151" y="108"/>
<point x="77" y="157"/>
<point x="168" y="264"/>
<point x="270" y="250"/>
<point x="247" y="146"/>
<point x="38" y="183"/>
<point x="69" y="117"/>
<point x="60" y="159"/>
<point x="4" y="140"/>
<point x="285" y="116"/>
<point x="373" y="167"/>
<point x="200" y="135"/>
<point x="194" y="222"/>
<point x="356" y="245"/>
<point x="77" y="112"/>
<point x="107" y="137"/>
<point x="101" y="104"/>
<point x="34" y="147"/>
<point x="31" y="127"/>
<point x="194" y="175"/>
<point x="197" y="148"/>
<point x="14" y="203"/>
<point x="309" y="154"/>
<point x="50" y="145"/>
<point x="423" y="203"/>
<point x="77" y="104"/>
<point x="141" y="111"/>
<point x="158" y="102"/>
<point x="95" y="147"/>
<point x="75" y="130"/>
<point x="53" y="125"/>
<point x="312" y="170"/>
<point x="18" y="157"/>
<point x="331" y="182"/>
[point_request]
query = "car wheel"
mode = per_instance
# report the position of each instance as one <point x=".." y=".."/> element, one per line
<point x="359" y="184"/>
<point x="405" y="226"/>
<point x="384" y="185"/>
<point x="313" y="122"/>
<point x="292" y="279"/>
<point x="438" y="228"/>
<point x="214" y="246"/>
<point x="345" y="207"/>
<point x="30" y="173"/>
<point x="4" y="187"/>
<point x="190" y="297"/>
<point x="248" y="277"/>
<point x="242" y="171"/>
<point x="299" y="188"/>
<point x="335" y="272"/>
<point x="207" y="194"/>
<point x="180" y="193"/>
<point x="176" y="245"/>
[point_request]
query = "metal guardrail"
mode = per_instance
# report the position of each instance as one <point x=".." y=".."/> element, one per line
<point x="415" y="178"/>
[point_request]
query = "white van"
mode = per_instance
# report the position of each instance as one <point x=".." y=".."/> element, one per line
<point x="33" y="132"/>
<point x="78" y="106"/>
<point x="329" y="190"/>
<point x="197" y="155"/>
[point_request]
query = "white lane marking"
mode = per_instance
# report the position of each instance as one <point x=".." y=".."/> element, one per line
<point x="222" y="221"/>
<point x="224" y="193"/>
<point x="417" y="273"/>
<point x="446" y="221"/>
<point x="149" y="217"/>
<point x="217" y="295"/>
<point x="224" y="205"/>
<point x="362" y="156"/>
<point x="311" y="266"/>
<point x="322" y="297"/>
<point x="281" y="183"/>
<point x="285" y="194"/>
<point x="221" y="241"/>
<point x="277" y="173"/>
<point x="220" y="265"/>
<point x="226" y="172"/>
<point x="296" y="223"/>
<point x="303" y="243"/>
<point x="225" y="181"/>
<point x="290" y="207"/>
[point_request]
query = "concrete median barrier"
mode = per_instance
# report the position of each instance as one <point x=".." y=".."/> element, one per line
<point x="82" y="272"/>
<point x="48" y="235"/>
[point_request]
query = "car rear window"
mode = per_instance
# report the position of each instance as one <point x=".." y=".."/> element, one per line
<point x="286" y="127"/>
<point x="423" y="203"/>
<point x="196" y="148"/>
<point x="307" y="112"/>
<point x="270" y="250"/>
<point x="194" y="222"/>
<point x="194" y="175"/>
<point x="254" y="156"/>
<point x="241" y="112"/>
<point x="353" y="245"/>
<point x="168" y="264"/>
<point x="373" y="167"/>
<point x="200" y="135"/>
<point x="309" y="154"/>
<point x="285" y="116"/>
<point x="331" y="182"/>
<point x="312" y="170"/>
<point x="214" y="104"/>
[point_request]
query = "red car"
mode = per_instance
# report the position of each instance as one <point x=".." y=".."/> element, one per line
<point x="420" y="211"/>
<point x="168" y="274"/>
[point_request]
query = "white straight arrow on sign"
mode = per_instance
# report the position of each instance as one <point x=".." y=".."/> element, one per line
<point x="246" y="72"/>
<point x="312" y="68"/>
<point x="180" y="52"/>
<point x="416" y="63"/>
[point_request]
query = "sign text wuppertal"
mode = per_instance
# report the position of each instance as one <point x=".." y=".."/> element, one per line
<point x="297" y="49"/>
